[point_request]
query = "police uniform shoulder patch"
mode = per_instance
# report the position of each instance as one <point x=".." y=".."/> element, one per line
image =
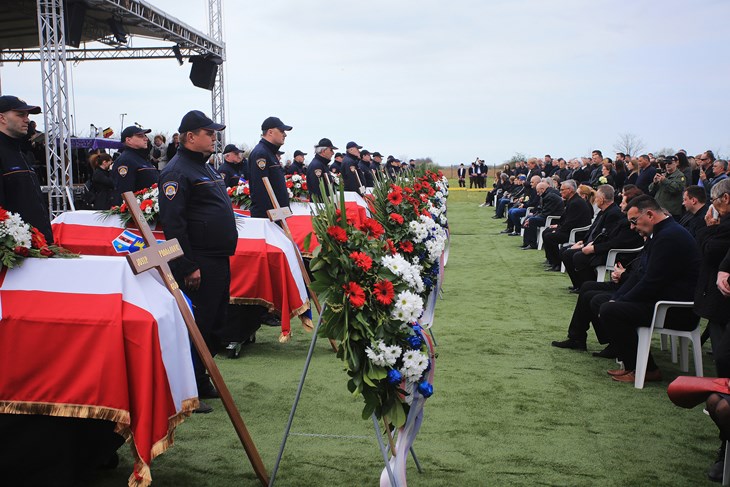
<point x="170" y="189"/>
<point x="122" y="170"/>
<point x="318" y="173"/>
<point x="261" y="163"/>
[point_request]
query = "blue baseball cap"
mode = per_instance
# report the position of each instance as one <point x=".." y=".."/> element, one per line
<point x="195" y="119"/>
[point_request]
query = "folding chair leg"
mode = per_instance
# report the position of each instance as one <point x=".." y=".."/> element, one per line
<point x="673" y="346"/>
<point x="726" y="468"/>
<point x="684" y="354"/>
<point x="642" y="355"/>
<point x="697" y="352"/>
<point x="663" y="342"/>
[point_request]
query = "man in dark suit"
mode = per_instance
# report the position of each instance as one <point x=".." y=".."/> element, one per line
<point x="579" y="258"/>
<point x="646" y="173"/>
<point x="472" y="174"/>
<point x="694" y="201"/>
<point x="668" y="271"/>
<point x="578" y="213"/>
<point x="550" y="204"/>
<point x="461" y="173"/>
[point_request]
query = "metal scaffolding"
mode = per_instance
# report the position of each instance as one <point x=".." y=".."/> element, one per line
<point x="138" y="19"/>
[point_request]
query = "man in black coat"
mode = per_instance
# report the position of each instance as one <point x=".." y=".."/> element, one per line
<point x="132" y="171"/>
<point x="646" y="173"/>
<point x="20" y="190"/>
<point x="668" y="271"/>
<point x="264" y="162"/>
<point x="336" y="166"/>
<point x="232" y="167"/>
<point x="195" y="209"/>
<point x="551" y="204"/>
<point x="375" y="165"/>
<point x="578" y="213"/>
<point x="581" y="258"/>
<point x="317" y="169"/>
<point x="297" y="167"/>
<point x="368" y="180"/>
<point x="694" y="200"/>
<point x="352" y="180"/>
<point x="461" y="174"/>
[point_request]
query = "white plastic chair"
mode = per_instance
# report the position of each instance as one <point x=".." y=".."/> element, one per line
<point x="572" y="240"/>
<point x="610" y="264"/>
<point x="548" y="221"/>
<point x="528" y="213"/>
<point x="657" y="325"/>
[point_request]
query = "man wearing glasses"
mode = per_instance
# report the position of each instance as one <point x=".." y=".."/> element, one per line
<point x="265" y="163"/>
<point x="132" y="170"/>
<point x="668" y="271"/>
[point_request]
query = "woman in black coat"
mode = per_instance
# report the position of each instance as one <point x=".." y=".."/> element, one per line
<point x="102" y="185"/>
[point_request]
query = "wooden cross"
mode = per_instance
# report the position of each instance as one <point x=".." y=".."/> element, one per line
<point x="157" y="256"/>
<point x="279" y="215"/>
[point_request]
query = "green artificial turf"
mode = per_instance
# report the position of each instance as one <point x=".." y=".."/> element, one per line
<point x="508" y="408"/>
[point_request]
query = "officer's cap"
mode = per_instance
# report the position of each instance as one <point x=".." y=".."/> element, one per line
<point x="364" y="153"/>
<point x="299" y="153"/>
<point x="327" y="143"/>
<point x="280" y="153"/>
<point x="671" y="159"/>
<point x="339" y="154"/>
<point x="350" y="145"/>
<point x="377" y="154"/>
<point x="195" y="119"/>
<point x="9" y="102"/>
<point x="132" y="130"/>
<point x="274" y="123"/>
<point x="231" y="148"/>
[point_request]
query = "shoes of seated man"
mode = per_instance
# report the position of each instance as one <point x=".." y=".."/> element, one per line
<point x="203" y="408"/>
<point x="555" y="268"/>
<point x="608" y="352"/>
<point x="514" y="234"/>
<point x="495" y="217"/>
<point x="506" y="231"/>
<point x="482" y="205"/>
<point x="715" y="472"/>
<point x="528" y="247"/>
<point x="574" y="290"/>
<point x="571" y="344"/>
<point x="651" y="376"/>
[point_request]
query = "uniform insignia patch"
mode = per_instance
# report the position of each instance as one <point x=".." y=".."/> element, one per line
<point x="318" y="173"/>
<point x="122" y="171"/>
<point x="170" y="189"/>
<point x="261" y="163"/>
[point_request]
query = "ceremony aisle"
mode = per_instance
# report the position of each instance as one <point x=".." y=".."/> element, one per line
<point x="507" y="409"/>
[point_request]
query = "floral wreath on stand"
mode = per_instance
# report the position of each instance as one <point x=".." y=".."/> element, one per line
<point x="240" y="194"/>
<point x="296" y="186"/>
<point x="148" y="203"/>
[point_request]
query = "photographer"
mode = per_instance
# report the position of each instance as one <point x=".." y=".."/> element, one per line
<point x="667" y="187"/>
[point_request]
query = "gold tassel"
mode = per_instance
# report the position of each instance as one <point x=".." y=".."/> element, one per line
<point x="284" y="338"/>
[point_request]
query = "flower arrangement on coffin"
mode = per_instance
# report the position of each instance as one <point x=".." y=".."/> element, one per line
<point x="148" y="203"/>
<point x="240" y="194"/>
<point x="296" y="186"/>
<point x="373" y="302"/>
<point x="19" y="240"/>
<point x="413" y="214"/>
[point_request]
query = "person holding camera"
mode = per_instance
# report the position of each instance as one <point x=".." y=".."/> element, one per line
<point x="668" y="186"/>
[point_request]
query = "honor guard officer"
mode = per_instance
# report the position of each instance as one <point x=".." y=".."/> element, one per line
<point x="317" y="169"/>
<point x="264" y="162"/>
<point x="336" y="167"/>
<point x="375" y="164"/>
<point x="393" y="167"/>
<point x="232" y="167"/>
<point x="350" y="173"/>
<point x="364" y="166"/>
<point x="20" y="191"/>
<point x="132" y="170"/>
<point x="195" y="209"/>
<point x="297" y="167"/>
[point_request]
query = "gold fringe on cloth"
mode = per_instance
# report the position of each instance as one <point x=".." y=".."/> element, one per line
<point x="284" y="338"/>
<point x="142" y="476"/>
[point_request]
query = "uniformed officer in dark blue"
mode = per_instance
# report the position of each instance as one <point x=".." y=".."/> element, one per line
<point x="364" y="167"/>
<point x="317" y="169"/>
<point x="20" y="191"/>
<point x="352" y="180"/>
<point x="336" y="166"/>
<point x="393" y="167"/>
<point x="195" y="209"/>
<point x="232" y="167"/>
<point x="264" y="162"/>
<point x="375" y="165"/>
<point x="132" y="171"/>
<point x="297" y="167"/>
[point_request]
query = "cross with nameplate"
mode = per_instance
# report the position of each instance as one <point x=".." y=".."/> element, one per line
<point x="157" y="256"/>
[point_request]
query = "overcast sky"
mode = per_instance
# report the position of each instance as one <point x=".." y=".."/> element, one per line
<point x="447" y="80"/>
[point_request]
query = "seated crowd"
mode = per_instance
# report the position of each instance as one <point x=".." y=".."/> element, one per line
<point x="667" y="221"/>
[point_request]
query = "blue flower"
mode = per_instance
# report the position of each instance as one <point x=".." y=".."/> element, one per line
<point x="394" y="377"/>
<point x="427" y="282"/>
<point x="425" y="389"/>
<point x="414" y="341"/>
<point x="417" y="328"/>
<point x="435" y="270"/>
<point x="421" y="256"/>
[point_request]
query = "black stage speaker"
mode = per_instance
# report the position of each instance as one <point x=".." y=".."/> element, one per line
<point x="74" y="13"/>
<point x="204" y="70"/>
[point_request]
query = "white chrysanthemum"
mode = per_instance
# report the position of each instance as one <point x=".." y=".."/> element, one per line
<point x="375" y="356"/>
<point x="157" y="206"/>
<point x="16" y="229"/>
<point x="297" y="185"/>
<point x="408" y="307"/>
<point x="414" y="364"/>
<point x="392" y="354"/>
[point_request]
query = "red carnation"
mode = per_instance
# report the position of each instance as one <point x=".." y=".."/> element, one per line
<point x="22" y="251"/>
<point x="123" y="208"/>
<point x="395" y="198"/>
<point x="153" y="186"/>
<point x="3" y="214"/>
<point x="46" y="252"/>
<point x="406" y="246"/>
<point x="289" y="184"/>
<point x="246" y="191"/>
<point x="355" y="294"/>
<point x="362" y="260"/>
<point x="38" y="240"/>
<point x="390" y="246"/>
<point x="384" y="292"/>
<point x="397" y="218"/>
<point x="338" y="233"/>
<point x="146" y="204"/>
<point x="230" y="191"/>
<point x="372" y="228"/>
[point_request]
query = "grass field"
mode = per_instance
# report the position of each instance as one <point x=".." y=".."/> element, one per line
<point x="508" y="408"/>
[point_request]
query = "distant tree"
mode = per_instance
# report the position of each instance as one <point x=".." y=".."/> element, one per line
<point x="518" y="156"/>
<point x="665" y="151"/>
<point x="630" y="144"/>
